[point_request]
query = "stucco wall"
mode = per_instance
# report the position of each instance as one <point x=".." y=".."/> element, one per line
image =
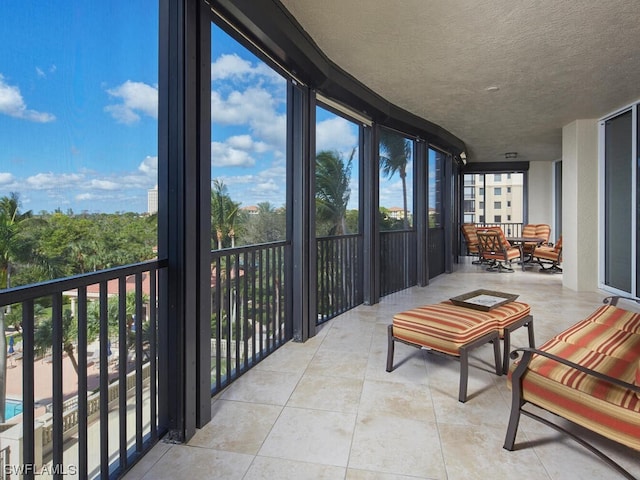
<point x="541" y="195"/>
<point x="580" y="205"/>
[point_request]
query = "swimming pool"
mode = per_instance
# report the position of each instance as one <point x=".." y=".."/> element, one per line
<point x="12" y="408"/>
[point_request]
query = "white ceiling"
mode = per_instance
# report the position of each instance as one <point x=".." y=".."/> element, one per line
<point x="553" y="61"/>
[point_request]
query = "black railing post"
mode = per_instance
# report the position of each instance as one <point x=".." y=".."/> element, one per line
<point x="371" y="219"/>
<point x="301" y="210"/>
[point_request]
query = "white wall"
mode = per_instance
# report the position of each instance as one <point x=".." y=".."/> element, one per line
<point x="580" y="205"/>
<point x="541" y="195"/>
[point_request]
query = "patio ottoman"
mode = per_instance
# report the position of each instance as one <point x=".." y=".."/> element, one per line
<point x="454" y="331"/>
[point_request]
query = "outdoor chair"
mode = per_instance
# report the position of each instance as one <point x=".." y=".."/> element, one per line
<point x="495" y="248"/>
<point x="469" y="231"/>
<point x="532" y="230"/>
<point x="547" y="255"/>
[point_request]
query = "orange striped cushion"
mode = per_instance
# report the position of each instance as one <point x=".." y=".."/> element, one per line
<point x="543" y="231"/>
<point x="443" y="327"/>
<point x="546" y="253"/>
<point x="607" y="409"/>
<point x="507" y="314"/>
<point x="512" y="253"/>
<point x="603" y="339"/>
<point x="529" y="230"/>
<point x="617" y="318"/>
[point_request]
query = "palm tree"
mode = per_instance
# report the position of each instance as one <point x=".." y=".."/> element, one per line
<point x="11" y="250"/>
<point x="268" y="225"/>
<point x="394" y="156"/>
<point x="333" y="175"/>
<point x="224" y="212"/>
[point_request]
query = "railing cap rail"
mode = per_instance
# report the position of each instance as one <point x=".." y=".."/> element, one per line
<point x="28" y="292"/>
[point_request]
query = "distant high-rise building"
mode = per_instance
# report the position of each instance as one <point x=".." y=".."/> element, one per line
<point x="152" y="200"/>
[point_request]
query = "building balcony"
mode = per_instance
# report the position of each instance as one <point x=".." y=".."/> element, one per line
<point x="327" y="408"/>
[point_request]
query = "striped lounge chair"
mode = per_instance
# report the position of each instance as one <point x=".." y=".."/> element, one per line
<point x="589" y="374"/>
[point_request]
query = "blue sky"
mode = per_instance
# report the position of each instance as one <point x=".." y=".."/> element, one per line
<point x="78" y="104"/>
<point x="78" y="111"/>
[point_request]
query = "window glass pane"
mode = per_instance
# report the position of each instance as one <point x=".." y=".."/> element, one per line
<point x="336" y="174"/>
<point x="248" y="155"/>
<point x="436" y="165"/>
<point x="78" y="129"/>
<point x="396" y="181"/>
<point x="618" y="201"/>
<point x="495" y="194"/>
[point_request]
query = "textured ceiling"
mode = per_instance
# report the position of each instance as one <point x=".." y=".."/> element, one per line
<point x="553" y="61"/>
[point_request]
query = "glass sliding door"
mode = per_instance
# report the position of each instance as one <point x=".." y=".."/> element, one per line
<point x="436" y="255"/>
<point x="618" y="193"/>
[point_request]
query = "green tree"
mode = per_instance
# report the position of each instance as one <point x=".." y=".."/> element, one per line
<point x="268" y="225"/>
<point x="394" y="157"/>
<point x="12" y="250"/>
<point x="333" y="175"/>
<point x="224" y="212"/>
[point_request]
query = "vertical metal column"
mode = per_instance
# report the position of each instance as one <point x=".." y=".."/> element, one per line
<point x="203" y="179"/>
<point x="301" y="210"/>
<point x="371" y="221"/>
<point x="183" y="176"/>
<point x="421" y="217"/>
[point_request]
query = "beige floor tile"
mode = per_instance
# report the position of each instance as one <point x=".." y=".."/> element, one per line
<point x="193" y="462"/>
<point x="263" y="386"/>
<point x="397" y="445"/>
<point x="354" y="474"/>
<point x="320" y="392"/>
<point x="264" y="468"/>
<point x="340" y="363"/>
<point x="327" y="408"/>
<point x="237" y="426"/>
<point x="390" y="399"/>
<point x="312" y="436"/>
<point x="476" y="452"/>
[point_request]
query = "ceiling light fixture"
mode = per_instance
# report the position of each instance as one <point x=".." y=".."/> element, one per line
<point x="511" y="155"/>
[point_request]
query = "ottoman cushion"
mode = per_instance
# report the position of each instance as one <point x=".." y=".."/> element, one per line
<point x="443" y="326"/>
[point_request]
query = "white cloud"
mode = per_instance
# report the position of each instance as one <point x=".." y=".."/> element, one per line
<point x="102" y="184"/>
<point x="149" y="166"/>
<point x="137" y="98"/>
<point x="46" y="181"/>
<point x="6" y="178"/>
<point x="83" y="197"/>
<point x="12" y="104"/>
<point x="225" y="155"/>
<point x="244" y="107"/>
<point x="245" y="142"/>
<point x="231" y="66"/>
<point x="336" y="134"/>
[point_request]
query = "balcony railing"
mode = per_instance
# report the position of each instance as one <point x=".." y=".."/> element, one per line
<point x="397" y="269"/>
<point x="339" y="286"/>
<point x="248" y="305"/>
<point x="109" y="429"/>
<point x="510" y="229"/>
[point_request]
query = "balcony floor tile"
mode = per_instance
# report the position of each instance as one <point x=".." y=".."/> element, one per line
<point x="327" y="408"/>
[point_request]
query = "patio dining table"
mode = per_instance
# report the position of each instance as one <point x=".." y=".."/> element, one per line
<point x="522" y="240"/>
